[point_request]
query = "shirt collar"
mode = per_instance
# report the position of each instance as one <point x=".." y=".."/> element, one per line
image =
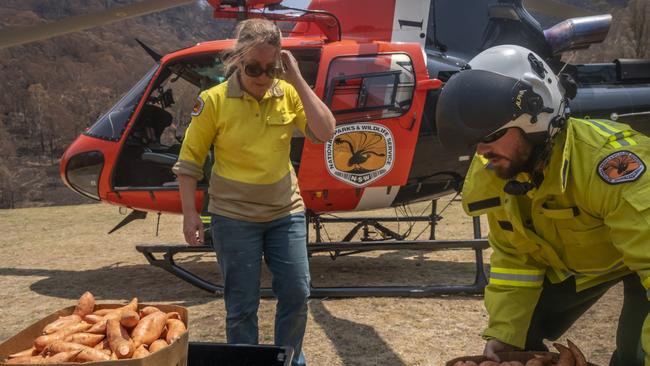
<point x="236" y="91"/>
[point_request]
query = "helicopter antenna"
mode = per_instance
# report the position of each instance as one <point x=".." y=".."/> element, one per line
<point x="573" y="54"/>
<point x="155" y="55"/>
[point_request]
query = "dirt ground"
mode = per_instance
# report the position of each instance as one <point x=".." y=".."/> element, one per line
<point x="50" y="256"/>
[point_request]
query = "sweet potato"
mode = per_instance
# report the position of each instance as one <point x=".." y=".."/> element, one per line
<point x="93" y="318"/>
<point x="87" y="339"/>
<point x="465" y="363"/>
<point x="102" y="345"/>
<point x="60" y="323"/>
<point x="516" y="363"/>
<point x="581" y="360"/>
<point x="62" y="357"/>
<point x="175" y="328"/>
<point x="566" y="356"/>
<point x="488" y="363"/>
<point x="102" y="312"/>
<point x="129" y="318"/>
<point x="535" y="362"/>
<point x="173" y="315"/>
<point x="157" y="344"/>
<point x="25" y="353"/>
<point x="141" y="352"/>
<point x="41" y="342"/>
<point x="148" y="310"/>
<point x="25" y="359"/>
<point x="86" y="354"/>
<point x="85" y="305"/>
<point x="100" y="326"/>
<point x="541" y="360"/>
<point x="119" y="340"/>
<point x="132" y="305"/>
<point x="149" y="328"/>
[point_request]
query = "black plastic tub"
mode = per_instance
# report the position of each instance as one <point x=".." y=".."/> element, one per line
<point x="219" y="354"/>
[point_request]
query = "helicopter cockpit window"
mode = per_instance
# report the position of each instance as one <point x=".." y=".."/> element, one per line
<point x="370" y="87"/>
<point x="154" y="140"/>
<point x="111" y="125"/>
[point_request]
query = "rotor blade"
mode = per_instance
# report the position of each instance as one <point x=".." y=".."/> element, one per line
<point x="557" y="9"/>
<point x="19" y="35"/>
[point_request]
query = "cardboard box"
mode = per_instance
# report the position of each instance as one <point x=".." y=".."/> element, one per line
<point x="522" y="357"/>
<point x="173" y="355"/>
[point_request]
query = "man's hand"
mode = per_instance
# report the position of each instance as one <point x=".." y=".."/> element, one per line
<point x="291" y="71"/>
<point x="193" y="228"/>
<point x="493" y="346"/>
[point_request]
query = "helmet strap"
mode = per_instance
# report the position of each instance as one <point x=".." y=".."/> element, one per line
<point x="538" y="160"/>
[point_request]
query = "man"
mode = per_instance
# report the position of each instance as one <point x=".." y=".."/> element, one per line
<point x="566" y="199"/>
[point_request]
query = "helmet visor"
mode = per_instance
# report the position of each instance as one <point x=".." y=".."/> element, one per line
<point x="475" y="103"/>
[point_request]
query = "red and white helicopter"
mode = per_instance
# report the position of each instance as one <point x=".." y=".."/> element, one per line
<point x="379" y="65"/>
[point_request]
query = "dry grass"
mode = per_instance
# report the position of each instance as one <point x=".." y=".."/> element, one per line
<point x="49" y="256"/>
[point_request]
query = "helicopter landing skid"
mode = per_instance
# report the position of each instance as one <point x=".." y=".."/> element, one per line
<point x="163" y="256"/>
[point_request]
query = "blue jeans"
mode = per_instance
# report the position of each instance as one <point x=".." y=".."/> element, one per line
<point x="240" y="246"/>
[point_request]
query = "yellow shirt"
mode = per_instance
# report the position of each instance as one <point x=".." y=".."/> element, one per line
<point x="252" y="177"/>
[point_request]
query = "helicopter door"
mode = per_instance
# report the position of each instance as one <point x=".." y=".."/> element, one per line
<point x="371" y="89"/>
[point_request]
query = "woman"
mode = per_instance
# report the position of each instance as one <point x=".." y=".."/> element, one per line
<point x="254" y="199"/>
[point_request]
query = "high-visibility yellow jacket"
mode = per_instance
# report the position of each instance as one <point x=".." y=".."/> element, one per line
<point x="590" y="219"/>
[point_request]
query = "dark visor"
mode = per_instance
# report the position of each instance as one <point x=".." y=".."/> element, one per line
<point x="474" y="104"/>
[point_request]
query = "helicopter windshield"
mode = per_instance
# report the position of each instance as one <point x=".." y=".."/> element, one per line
<point x="111" y="125"/>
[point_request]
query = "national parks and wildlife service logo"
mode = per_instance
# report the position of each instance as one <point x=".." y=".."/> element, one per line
<point x="360" y="153"/>
<point x="620" y="167"/>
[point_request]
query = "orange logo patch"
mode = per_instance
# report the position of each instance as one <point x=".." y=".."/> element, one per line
<point x="198" y="106"/>
<point x="621" y="167"/>
<point x="360" y="153"/>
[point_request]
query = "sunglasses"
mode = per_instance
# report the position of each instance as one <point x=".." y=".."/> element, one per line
<point x="255" y="70"/>
<point x="494" y="136"/>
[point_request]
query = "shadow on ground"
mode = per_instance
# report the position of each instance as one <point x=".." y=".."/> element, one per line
<point x="116" y="281"/>
<point x="355" y="343"/>
<point x="153" y="284"/>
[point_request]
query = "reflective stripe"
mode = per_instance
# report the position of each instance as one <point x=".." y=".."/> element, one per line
<point x="602" y="128"/>
<point x="516" y="277"/>
<point x="517" y="271"/>
<point x="623" y="138"/>
<point x="616" y="137"/>
<point x="206" y="219"/>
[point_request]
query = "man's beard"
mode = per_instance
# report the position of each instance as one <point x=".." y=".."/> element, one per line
<point x="511" y="170"/>
<point x="520" y="162"/>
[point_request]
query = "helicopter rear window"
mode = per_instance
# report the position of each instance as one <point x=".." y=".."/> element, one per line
<point x="111" y="125"/>
<point x="370" y="87"/>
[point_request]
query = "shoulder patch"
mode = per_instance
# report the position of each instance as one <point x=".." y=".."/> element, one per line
<point x="621" y="167"/>
<point x="198" y="106"/>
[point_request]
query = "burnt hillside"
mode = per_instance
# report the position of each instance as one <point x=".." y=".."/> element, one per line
<point x="60" y="86"/>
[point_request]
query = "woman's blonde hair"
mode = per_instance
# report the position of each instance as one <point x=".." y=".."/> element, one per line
<point x="250" y="33"/>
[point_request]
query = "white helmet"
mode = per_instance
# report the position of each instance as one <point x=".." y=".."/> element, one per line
<point x="504" y="86"/>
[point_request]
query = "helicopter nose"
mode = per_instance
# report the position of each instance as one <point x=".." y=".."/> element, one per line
<point x="81" y="172"/>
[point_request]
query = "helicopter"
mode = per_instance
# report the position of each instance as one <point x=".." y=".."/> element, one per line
<point x="380" y="74"/>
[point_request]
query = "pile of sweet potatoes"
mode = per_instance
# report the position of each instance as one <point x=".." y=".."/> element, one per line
<point x="568" y="356"/>
<point x="101" y="335"/>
